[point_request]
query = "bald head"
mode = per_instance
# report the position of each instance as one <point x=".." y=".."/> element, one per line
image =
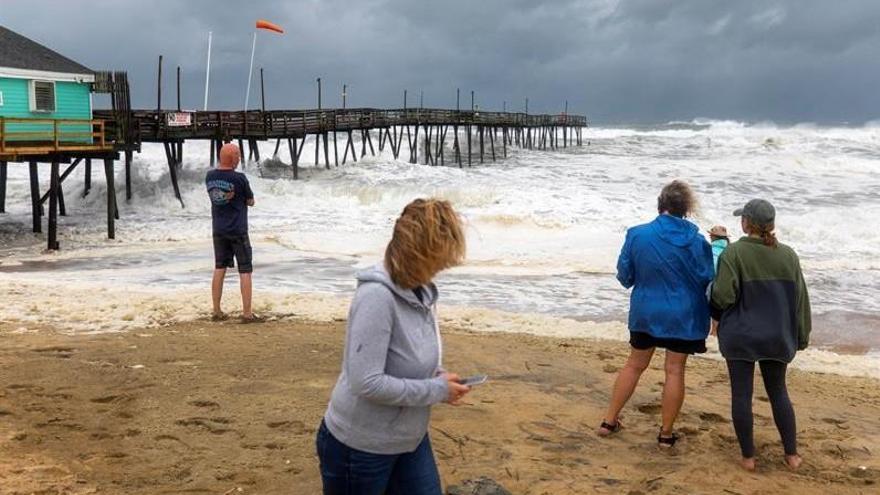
<point x="229" y="156"/>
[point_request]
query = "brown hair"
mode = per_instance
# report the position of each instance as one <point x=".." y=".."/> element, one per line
<point x="428" y="237"/>
<point x="677" y="198"/>
<point x="765" y="231"/>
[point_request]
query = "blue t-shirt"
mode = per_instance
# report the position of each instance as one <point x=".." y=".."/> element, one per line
<point x="229" y="192"/>
<point x="718" y="247"/>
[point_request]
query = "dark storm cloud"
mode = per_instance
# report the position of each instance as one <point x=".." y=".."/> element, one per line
<point x="617" y="61"/>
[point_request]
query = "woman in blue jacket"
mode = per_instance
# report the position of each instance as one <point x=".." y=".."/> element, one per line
<point x="668" y="264"/>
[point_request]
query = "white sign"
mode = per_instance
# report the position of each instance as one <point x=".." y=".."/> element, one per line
<point x="178" y="119"/>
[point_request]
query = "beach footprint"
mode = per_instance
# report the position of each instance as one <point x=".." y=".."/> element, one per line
<point x="205" y="404"/>
<point x="651" y="409"/>
<point x="710" y="417"/>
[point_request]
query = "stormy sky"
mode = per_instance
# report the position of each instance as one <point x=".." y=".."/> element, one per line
<point x="617" y="61"/>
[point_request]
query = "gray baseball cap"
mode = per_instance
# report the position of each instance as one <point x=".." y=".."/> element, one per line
<point x="759" y="211"/>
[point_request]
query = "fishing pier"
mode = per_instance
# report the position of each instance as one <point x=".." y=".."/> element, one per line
<point x="46" y="116"/>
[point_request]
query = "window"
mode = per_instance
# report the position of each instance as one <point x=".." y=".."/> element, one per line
<point x="1" y="98"/>
<point x="42" y="97"/>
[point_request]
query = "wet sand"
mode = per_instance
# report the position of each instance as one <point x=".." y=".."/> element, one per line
<point x="227" y="408"/>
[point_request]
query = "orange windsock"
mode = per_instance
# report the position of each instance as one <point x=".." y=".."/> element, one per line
<point x="262" y="24"/>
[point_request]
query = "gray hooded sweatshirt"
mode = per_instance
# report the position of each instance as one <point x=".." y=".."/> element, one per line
<point x="390" y="368"/>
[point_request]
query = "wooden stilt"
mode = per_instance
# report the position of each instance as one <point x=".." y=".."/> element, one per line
<point x="128" y="157"/>
<point x="36" y="208"/>
<point x="469" y="144"/>
<point x="213" y="151"/>
<point x="427" y="132"/>
<point x="3" y="173"/>
<point x="441" y="144"/>
<point x="370" y="142"/>
<point x="504" y="141"/>
<point x="67" y="171"/>
<point x="399" y="142"/>
<point x="415" y="144"/>
<point x="326" y="151"/>
<point x="455" y="145"/>
<point x="492" y="141"/>
<point x="62" y="210"/>
<point x="111" y="196"/>
<point x="277" y="147"/>
<point x="301" y="146"/>
<point x="409" y="141"/>
<point x="294" y="157"/>
<point x="52" y="225"/>
<point x="482" y="131"/>
<point x="335" y="150"/>
<point x="317" y="147"/>
<point x="87" y="177"/>
<point x="255" y="147"/>
<point x="172" y="171"/>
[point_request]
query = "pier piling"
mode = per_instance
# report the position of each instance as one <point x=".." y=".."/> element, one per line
<point x="3" y="173"/>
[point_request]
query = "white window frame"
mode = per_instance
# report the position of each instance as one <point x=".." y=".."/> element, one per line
<point x="32" y="96"/>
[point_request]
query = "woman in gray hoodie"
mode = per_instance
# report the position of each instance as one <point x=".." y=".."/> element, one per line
<point x="373" y="439"/>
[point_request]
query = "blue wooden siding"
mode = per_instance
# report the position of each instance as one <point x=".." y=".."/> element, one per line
<point x="72" y="101"/>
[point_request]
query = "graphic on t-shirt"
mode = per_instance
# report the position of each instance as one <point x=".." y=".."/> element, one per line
<point x="221" y="192"/>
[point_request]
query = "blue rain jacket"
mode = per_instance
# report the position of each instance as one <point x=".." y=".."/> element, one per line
<point x="669" y="265"/>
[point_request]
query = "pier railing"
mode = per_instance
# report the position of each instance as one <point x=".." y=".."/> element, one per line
<point x="40" y="136"/>
<point x="154" y="125"/>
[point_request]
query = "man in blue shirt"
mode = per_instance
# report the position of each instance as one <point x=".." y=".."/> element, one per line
<point x="231" y="196"/>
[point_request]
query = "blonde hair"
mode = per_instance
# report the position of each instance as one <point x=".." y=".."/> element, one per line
<point x="428" y="237"/>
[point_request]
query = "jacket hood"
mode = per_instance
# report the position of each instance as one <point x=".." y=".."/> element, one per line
<point x="676" y="231"/>
<point x="378" y="274"/>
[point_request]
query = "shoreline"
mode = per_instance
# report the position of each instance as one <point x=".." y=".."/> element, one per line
<point x="209" y="408"/>
<point x="91" y="307"/>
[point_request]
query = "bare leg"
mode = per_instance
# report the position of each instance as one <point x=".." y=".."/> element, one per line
<point x="246" y="294"/>
<point x="217" y="288"/>
<point x="626" y="382"/>
<point x="673" y="390"/>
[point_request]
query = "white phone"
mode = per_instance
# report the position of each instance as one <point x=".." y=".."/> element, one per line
<point x="474" y="380"/>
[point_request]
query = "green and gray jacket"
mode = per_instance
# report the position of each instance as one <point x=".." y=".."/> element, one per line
<point x="761" y="301"/>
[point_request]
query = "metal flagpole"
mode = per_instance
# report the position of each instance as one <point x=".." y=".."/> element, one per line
<point x="208" y="71"/>
<point x="250" y="72"/>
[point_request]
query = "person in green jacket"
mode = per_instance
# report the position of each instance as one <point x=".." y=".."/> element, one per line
<point x="761" y="302"/>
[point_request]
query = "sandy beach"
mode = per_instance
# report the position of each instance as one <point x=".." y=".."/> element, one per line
<point x="226" y="408"/>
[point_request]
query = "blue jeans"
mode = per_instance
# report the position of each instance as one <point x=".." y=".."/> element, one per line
<point x="348" y="471"/>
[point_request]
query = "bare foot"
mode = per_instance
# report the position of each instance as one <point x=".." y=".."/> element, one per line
<point x="252" y="318"/>
<point x="748" y="463"/>
<point x="793" y="461"/>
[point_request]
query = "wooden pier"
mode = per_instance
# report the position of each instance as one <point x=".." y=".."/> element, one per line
<point x="37" y="126"/>
<point x="420" y="135"/>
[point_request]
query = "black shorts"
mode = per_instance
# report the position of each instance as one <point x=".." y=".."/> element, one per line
<point x="227" y="247"/>
<point x="644" y="341"/>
